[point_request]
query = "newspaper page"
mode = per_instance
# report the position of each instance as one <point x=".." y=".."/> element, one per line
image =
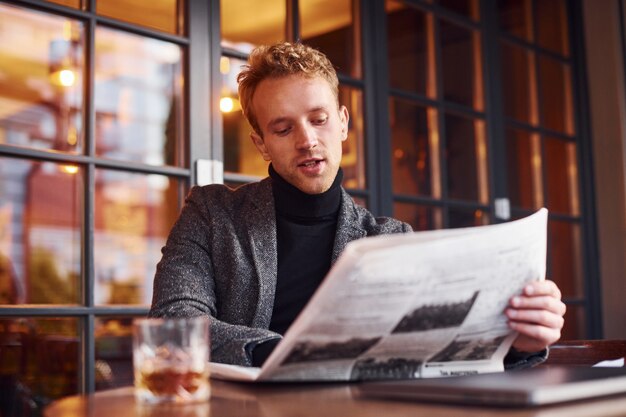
<point x="417" y="305"/>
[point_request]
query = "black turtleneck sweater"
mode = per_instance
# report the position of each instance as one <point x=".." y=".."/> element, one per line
<point x="305" y="228"/>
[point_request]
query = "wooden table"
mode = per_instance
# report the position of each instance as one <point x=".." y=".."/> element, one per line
<point x="248" y="400"/>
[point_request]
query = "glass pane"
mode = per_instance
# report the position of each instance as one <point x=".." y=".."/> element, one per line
<point x="71" y="3"/>
<point x="575" y="323"/>
<point x="461" y="69"/>
<point x="114" y="352"/>
<point x="138" y="99"/>
<point x="561" y="169"/>
<point x="524" y="174"/>
<point x="40" y="225"/>
<point x="161" y="15"/>
<point x="41" y="78"/>
<point x="467" y="8"/>
<point x="328" y="25"/>
<point x="353" y="161"/>
<point x="466" y="157"/>
<point x="556" y="95"/>
<point x="240" y="154"/>
<point x="133" y="216"/>
<point x="458" y="217"/>
<point x="418" y="216"/>
<point x="518" y="83"/>
<point x="415" y="150"/>
<point x="409" y="52"/>
<point x="552" y="28"/>
<point x="39" y="362"/>
<point x="249" y="22"/>
<point x="516" y="18"/>
<point x="565" y="257"/>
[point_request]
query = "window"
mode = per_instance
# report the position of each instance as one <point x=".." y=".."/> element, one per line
<point x="94" y="162"/>
<point x="446" y="168"/>
<point x="439" y="152"/>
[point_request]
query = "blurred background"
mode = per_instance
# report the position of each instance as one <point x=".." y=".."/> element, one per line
<point x="463" y="113"/>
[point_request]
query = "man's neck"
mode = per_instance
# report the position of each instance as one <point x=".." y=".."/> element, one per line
<point x="292" y="202"/>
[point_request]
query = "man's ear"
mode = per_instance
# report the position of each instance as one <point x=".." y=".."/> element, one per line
<point x="260" y="145"/>
<point x="344" y="116"/>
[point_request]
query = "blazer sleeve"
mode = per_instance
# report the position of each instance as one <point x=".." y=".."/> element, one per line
<point x="184" y="285"/>
<point x="522" y="360"/>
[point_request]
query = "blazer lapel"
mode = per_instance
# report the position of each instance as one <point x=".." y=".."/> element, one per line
<point x="261" y="222"/>
<point x="348" y="225"/>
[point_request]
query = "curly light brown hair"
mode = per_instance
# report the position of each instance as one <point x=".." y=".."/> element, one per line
<point x="281" y="60"/>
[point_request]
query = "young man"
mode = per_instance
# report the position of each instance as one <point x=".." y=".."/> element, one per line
<point x="252" y="257"/>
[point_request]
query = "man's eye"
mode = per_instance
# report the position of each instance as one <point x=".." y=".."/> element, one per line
<point x="281" y="132"/>
<point x="320" y="121"/>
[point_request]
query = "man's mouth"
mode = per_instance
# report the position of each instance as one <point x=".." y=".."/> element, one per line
<point x="309" y="163"/>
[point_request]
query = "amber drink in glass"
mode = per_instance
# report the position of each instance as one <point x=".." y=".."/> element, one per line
<point x="171" y="360"/>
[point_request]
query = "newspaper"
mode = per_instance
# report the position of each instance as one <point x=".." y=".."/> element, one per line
<point x="416" y="305"/>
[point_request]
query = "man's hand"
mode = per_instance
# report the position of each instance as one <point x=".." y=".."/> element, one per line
<point x="537" y="315"/>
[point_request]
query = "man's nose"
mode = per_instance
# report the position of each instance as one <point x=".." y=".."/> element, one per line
<point x="306" y="138"/>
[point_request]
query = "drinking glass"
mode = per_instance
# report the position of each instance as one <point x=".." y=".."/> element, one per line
<point x="171" y="360"/>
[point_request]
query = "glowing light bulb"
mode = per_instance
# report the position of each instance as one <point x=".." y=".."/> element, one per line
<point x="224" y="65"/>
<point x="226" y="105"/>
<point x="69" y="169"/>
<point x="67" y="78"/>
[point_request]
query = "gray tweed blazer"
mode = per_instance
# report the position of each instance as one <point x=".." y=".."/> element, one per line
<point x="220" y="259"/>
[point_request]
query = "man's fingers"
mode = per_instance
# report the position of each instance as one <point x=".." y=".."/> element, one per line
<point x="544" y="302"/>
<point x="537" y="315"/>
<point x="540" y="336"/>
<point x="538" y="288"/>
<point x="543" y="318"/>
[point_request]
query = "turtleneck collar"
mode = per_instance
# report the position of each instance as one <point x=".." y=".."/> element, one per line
<point x="292" y="202"/>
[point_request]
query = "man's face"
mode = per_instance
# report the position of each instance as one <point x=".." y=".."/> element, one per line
<point x="302" y="130"/>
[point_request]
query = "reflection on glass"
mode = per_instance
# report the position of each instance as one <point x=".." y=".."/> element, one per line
<point x="565" y="257"/>
<point x="328" y="25"/>
<point x="133" y="216"/>
<point x="515" y="17"/>
<point x="518" y="83"/>
<point x="240" y="154"/>
<point x="561" y="169"/>
<point x="114" y="352"/>
<point x="41" y="78"/>
<point x="524" y="170"/>
<point x="71" y="3"/>
<point x="39" y="362"/>
<point x="461" y="69"/>
<point x="40" y="240"/>
<point x="418" y="216"/>
<point x="552" y="27"/>
<point x="161" y="15"/>
<point x="353" y="161"/>
<point x="575" y="323"/>
<point x="468" y="8"/>
<point x="556" y="95"/>
<point x="246" y="23"/>
<point x="415" y="150"/>
<point x="466" y="156"/>
<point x="458" y="217"/>
<point x="410" y="49"/>
<point x="138" y="99"/>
